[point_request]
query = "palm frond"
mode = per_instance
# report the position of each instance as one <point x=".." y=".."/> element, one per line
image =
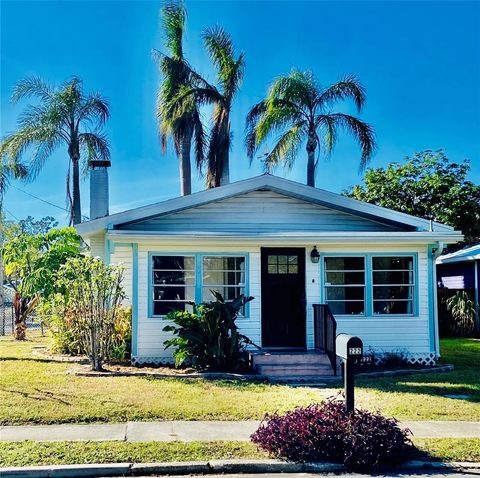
<point x="200" y="140"/>
<point x="253" y="116"/>
<point x="362" y="132"/>
<point x="298" y="87"/>
<point x="348" y="87"/>
<point x="286" y="149"/>
<point x="94" y="109"/>
<point x="94" y="145"/>
<point x="173" y="16"/>
<point x="32" y="86"/>
<point x="328" y="127"/>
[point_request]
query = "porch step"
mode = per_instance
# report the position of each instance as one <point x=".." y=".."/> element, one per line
<point x="308" y="380"/>
<point x="299" y="365"/>
<point x="290" y="358"/>
<point x="295" y="369"/>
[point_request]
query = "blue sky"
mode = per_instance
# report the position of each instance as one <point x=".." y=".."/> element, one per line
<point x="419" y="61"/>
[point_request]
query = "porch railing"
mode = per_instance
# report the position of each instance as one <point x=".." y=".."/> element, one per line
<point x="325" y="332"/>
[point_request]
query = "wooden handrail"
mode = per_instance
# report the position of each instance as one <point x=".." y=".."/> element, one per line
<point x="325" y="332"/>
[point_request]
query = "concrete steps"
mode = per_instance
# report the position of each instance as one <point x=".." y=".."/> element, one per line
<point x="293" y="367"/>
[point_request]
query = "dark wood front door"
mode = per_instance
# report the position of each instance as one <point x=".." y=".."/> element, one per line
<point x="283" y="297"/>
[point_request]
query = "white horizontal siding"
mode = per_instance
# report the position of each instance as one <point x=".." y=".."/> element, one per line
<point x="96" y="246"/>
<point x="258" y="211"/>
<point x="122" y="256"/>
<point x="382" y="334"/>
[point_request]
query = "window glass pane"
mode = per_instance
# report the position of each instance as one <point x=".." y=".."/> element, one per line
<point x="163" y="308"/>
<point x="282" y="259"/>
<point x="347" y="308"/>
<point x="173" y="283"/>
<point x="282" y="268"/>
<point x="222" y="263"/>
<point x="393" y="277"/>
<point x="293" y="269"/>
<point x="393" y="307"/>
<point x="344" y="263"/>
<point x="173" y="277"/>
<point x="272" y="259"/>
<point x="393" y="292"/>
<point x="293" y="259"/>
<point x="272" y="269"/>
<point x="345" y="278"/>
<point x="392" y="263"/>
<point x="228" y="293"/>
<point x="173" y="263"/>
<point x="173" y="293"/>
<point x="223" y="277"/>
<point x="344" y="293"/>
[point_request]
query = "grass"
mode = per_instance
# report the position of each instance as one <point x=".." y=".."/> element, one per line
<point x="36" y="390"/>
<point x="29" y="453"/>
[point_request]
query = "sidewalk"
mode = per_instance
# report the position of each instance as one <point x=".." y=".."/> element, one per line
<point x="186" y="431"/>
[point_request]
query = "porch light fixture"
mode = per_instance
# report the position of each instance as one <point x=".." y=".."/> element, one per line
<point x="315" y="255"/>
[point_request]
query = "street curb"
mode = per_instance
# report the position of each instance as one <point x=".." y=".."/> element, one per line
<point x="205" y="467"/>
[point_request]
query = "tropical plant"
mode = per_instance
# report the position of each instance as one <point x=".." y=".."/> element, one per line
<point x="208" y="337"/>
<point x="177" y="76"/>
<point x="91" y="292"/>
<point x="298" y="108"/>
<point x="426" y="185"/>
<point x="462" y="309"/>
<point x="230" y="70"/>
<point x="64" y="115"/>
<point x="360" y="440"/>
<point x="31" y="266"/>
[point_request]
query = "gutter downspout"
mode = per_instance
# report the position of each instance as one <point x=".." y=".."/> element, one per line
<point x="435" y="255"/>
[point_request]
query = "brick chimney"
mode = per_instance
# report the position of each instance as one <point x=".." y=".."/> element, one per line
<point x="98" y="188"/>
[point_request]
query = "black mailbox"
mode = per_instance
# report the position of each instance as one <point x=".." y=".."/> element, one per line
<point x="350" y="349"/>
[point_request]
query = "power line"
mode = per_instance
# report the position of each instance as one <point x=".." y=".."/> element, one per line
<point x="11" y="214"/>
<point x="45" y="201"/>
<point x="40" y="199"/>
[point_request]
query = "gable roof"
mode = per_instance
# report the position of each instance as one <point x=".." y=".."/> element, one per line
<point x="467" y="254"/>
<point x="267" y="182"/>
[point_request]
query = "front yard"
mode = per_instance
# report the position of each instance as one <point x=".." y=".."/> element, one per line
<point x="36" y="390"/>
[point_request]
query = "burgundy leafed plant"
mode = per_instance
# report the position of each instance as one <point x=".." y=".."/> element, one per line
<point x="361" y="440"/>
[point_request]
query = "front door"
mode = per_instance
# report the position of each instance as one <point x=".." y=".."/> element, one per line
<point x="283" y="297"/>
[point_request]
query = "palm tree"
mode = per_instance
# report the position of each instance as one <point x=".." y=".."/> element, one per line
<point x="176" y="77"/>
<point x="299" y="109"/>
<point x="64" y="115"/>
<point x="230" y="70"/>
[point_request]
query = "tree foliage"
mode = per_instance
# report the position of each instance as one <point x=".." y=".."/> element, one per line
<point x="63" y="115"/>
<point x="29" y="225"/>
<point x="426" y="185"/>
<point x="31" y="264"/>
<point x="299" y="110"/>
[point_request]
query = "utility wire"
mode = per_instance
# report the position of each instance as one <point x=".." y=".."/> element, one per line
<point x="11" y="214"/>
<point x="45" y="201"/>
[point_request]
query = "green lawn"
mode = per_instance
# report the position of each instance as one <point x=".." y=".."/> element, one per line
<point x="28" y="453"/>
<point x="35" y="390"/>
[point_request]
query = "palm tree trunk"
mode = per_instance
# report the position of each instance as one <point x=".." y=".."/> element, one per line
<point x="225" y="171"/>
<point x="311" y="145"/>
<point x="77" y="209"/>
<point x="224" y="153"/>
<point x="185" y="166"/>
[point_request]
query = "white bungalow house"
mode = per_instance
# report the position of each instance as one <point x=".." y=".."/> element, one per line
<point x="375" y="267"/>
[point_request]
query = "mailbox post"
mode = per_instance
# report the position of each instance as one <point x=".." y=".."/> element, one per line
<point x="350" y="349"/>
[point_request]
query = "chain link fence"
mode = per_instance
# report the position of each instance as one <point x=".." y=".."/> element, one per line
<point x="7" y="320"/>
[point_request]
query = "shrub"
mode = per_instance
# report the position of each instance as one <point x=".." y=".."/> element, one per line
<point x="90" y="301"/>
<point x="462" y="309"/>
<point x="120" y="348"/>
<point x="361" y="440"/>
<point x="208" y="337"/>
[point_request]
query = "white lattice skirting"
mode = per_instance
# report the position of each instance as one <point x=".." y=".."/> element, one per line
<point x="419" y="358"/>
<point x="152" y="360"/>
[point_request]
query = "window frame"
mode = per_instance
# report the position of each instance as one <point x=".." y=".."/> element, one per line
<point x="368" y="257"/>
<point x="198" y="257"/>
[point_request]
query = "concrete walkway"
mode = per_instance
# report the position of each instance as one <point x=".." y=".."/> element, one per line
<point x="185" y="431"/>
